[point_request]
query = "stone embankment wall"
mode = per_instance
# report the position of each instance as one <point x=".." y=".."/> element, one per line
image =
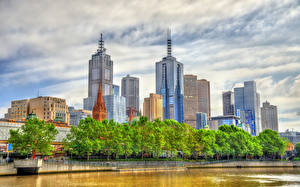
<point x="75" y="166"/>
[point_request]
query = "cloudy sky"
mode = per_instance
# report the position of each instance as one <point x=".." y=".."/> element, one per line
<point x="45" y="47"/>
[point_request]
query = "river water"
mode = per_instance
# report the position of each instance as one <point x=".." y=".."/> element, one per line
<point x="193" y="177"/>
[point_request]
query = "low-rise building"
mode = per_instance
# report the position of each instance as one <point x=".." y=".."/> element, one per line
<point x="201" y="120"/>
<point x="46" y="108"/>
<point x="292" y="136"/>
<point x="77" y="115"/>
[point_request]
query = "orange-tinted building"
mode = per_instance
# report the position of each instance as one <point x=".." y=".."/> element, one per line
<point x="99" y="109"/>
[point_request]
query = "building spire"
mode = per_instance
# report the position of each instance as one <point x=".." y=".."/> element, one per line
<point x="169" y="42"/>
<point x="101" y="44"/>
<point x="99" y="109"/>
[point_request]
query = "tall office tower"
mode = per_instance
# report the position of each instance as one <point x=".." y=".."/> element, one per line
<point x="228" y="103"/>
<point x="190" y="100"/>
<point x="269" y="117"/>
<point x="130" y="90"/>
<point x="153" y="107"/>
<point x="203" y="87"/>
<point x="246" y="105"/>
<point x="201" y="120"/>
<point x="100" y="70"/>
<point x="169" y="84"/>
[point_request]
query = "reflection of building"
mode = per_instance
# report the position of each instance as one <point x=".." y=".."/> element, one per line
<point x="169" y="84"/>
<point x="228" y="103"/>
<point x="190" y="100"/>
<point x="18" y="110"/>
<point x="45" y="108"/>
<point x="130" y="90"/>
<point x="77" y="115"/>
<point x="269" y="118"/>
<point x="247" y="102"/>
<point x="292" y="136"/>
<point x="100" y="70"/>
<point x="226" y="120"/>
<point x="203" y="87"/>
<point x="201" y="120"/>
<point x="153" y="108"/>
<point x="115" y="107"/>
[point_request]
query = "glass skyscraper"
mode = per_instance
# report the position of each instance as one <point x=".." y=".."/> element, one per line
<point x="169" y="84"/>
<point x="247" y="106"/>
<point x="115" y="108"/>
<point x="100" y="70"/>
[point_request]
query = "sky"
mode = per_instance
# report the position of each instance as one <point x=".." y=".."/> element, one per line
<point x="45" y="47"/>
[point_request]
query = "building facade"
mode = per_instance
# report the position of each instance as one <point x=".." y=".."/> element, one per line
<point x="19" y="110"/>
<point x="169" y="84"/>
<point x="201" y="120"/>
<point x="130" y="90"/>
<point x="153" y="107"/>
<point x="227" y="120"/>
<point x="115" y="108"/>
<point x="77" y="115"/>
<point x="100" y="71"/>
<point x="50" y="109"/>
<point x="190" y="100"/>
<point x="269" y="117"/>
<point x="203" y="87"/>
<point x="292" y="136"/>
<point x="247" y="106"/>
<point x="46" y="108"/>
<point x="228" y="103"/>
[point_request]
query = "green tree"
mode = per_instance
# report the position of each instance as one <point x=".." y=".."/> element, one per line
<point x="87" y="138"/>
<point x="272" y="144"/>
<point x="35" y="136"/>
<point x="127" y="142"/>
<point x="297" y="148"/>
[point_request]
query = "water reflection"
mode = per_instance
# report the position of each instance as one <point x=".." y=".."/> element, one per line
<point x="193" y="177"/>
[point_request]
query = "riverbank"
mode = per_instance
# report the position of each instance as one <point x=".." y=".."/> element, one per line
<point x="49" y="167"/>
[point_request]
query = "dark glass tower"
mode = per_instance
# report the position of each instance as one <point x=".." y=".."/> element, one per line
<point x="169" y="84"/>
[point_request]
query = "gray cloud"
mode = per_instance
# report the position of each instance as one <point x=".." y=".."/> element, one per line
<point x="226" y="42"/>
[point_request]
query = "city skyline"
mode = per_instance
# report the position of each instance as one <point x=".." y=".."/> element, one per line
<point x="52" y="59"/>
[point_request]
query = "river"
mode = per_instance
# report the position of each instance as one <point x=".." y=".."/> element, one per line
<point x="193" y="177"/>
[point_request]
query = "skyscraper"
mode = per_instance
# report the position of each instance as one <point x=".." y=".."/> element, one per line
<point x="269" y="117"/>
<point x="130" y="90"/>
<point x="203" y="87"/>
<point x="228" y="103"/>
<point x="169" y="84"/>
<point x="100" y="70"/>
<point x="246" y="105"/>
<point x="190" y="100"/>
